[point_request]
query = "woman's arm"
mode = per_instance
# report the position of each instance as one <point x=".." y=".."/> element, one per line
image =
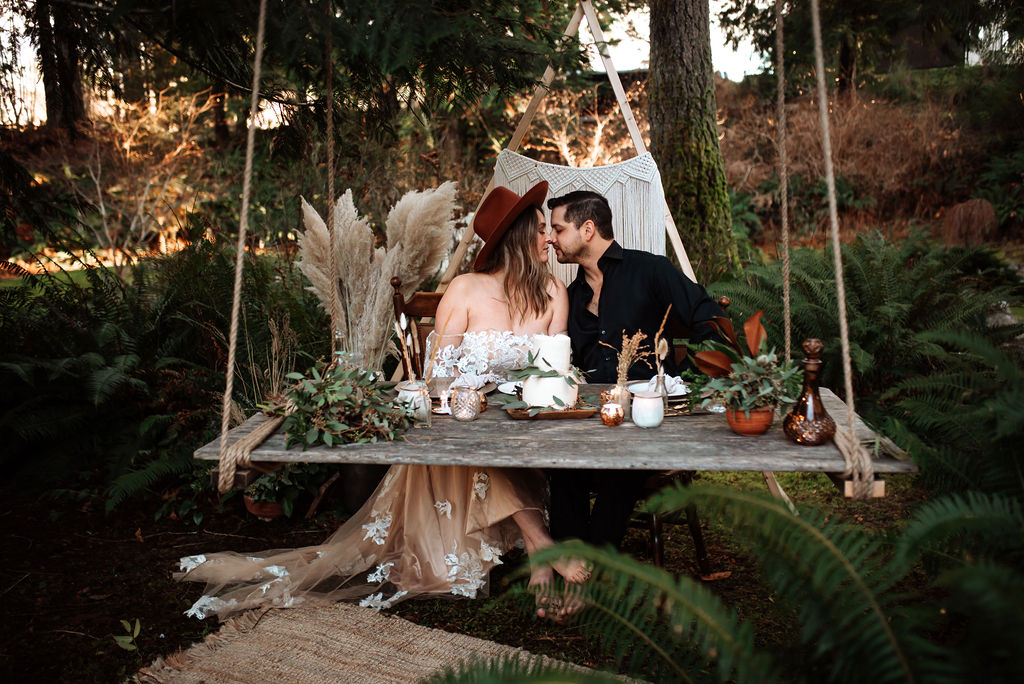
<point x="452" y="311"/>
<point x="560" y="304"/>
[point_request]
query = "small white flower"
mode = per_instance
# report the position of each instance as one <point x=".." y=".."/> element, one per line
<point x="444" y="508"/>
<point x="382" y="573"/>
<point x="190" y="563"/>
<point x="403" y="322"/>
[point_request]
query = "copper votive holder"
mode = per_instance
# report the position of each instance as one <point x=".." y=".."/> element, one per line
<point x="612" y="414"/>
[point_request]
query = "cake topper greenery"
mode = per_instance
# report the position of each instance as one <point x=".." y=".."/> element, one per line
<point x="572" y="378"/>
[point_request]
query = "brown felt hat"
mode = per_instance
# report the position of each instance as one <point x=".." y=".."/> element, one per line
<point x="497" y="212"/>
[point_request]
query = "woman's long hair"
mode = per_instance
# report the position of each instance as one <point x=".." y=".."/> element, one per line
<point x="526" y="278"/>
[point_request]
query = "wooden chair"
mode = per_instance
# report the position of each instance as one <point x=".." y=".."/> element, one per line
<point x="419" y="311"/>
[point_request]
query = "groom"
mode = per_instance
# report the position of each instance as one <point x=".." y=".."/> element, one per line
<point x="616" y="291"/>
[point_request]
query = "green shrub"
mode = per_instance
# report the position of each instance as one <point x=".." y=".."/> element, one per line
<point x="894" y="292"/>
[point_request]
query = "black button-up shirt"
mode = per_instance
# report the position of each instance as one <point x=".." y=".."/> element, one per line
<point x="636" y="290"/>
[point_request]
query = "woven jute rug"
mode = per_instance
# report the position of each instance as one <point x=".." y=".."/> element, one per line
<point x="335" y="643"/>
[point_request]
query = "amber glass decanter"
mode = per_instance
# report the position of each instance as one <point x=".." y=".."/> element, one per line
<point x="808" y="423"/>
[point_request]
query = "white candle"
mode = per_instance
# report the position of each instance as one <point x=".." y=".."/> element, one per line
<point x="552" y="352"/>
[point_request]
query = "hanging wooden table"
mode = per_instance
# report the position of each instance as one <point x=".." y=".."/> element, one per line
<point x="695" y="442"/>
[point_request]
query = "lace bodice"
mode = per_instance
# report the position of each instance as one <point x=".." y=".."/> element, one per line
<point x="481" y="356"/>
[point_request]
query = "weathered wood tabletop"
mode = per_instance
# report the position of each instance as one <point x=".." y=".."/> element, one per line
<point x="702" y="441"/>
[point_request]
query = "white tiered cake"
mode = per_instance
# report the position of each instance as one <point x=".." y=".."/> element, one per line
<point x="551" y="353"/>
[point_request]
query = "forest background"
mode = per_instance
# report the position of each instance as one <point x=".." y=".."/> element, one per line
<point x="117" y="234"/>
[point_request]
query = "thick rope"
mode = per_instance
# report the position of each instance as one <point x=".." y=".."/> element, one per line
<point x="858" y="461"/>
<point x="227" y="464"/>
<point x="780" y="143"/>
<point x="333" y="253"/>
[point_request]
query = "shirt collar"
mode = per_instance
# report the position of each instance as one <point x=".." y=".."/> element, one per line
<point x="614" y="252"/>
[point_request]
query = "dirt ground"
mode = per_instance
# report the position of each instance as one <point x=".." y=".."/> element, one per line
<point x="71" y="573"/>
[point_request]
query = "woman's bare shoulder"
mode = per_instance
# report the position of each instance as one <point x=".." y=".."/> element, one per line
<point x="556" y="287"/>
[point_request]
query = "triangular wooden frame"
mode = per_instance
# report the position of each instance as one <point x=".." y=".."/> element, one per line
<point x="584" y="8"/>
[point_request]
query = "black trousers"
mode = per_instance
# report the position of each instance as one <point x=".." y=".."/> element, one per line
<point x="616" y="493"/>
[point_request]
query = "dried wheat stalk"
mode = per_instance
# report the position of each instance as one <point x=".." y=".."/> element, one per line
<point x="629" y="354"/>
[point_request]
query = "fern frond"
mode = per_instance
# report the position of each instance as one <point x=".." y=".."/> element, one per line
<point x="513" y="669"/>
<point x="135" y="481"/>
<point x="831" y="572"/>
<point x="660" y="627"/>
<point x="988" y="525"/>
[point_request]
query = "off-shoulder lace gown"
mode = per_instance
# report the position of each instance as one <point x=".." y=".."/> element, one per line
<point x="425" y="530"/>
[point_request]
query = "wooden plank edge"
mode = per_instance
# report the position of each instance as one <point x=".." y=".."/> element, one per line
<point x="846" y="486"/>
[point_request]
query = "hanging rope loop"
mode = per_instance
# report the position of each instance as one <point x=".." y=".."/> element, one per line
<point x="228" y="459"/>
<point x="858" y="461"/>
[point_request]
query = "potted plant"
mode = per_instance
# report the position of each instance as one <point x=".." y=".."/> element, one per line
<point x="274" y="494"/>
<point x="749" y="386"/>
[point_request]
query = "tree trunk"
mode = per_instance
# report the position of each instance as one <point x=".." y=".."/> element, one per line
<point x="847" y="66"/>
<point x="684" y="134"/>
<point x="58" y="60"/>
<point x="220" y="118"/>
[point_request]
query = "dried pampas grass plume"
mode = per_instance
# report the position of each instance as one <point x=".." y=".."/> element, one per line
<point x="419" y="230"/>
<point x="421" y="226"/>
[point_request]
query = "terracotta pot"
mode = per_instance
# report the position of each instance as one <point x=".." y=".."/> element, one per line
<point x="265" y="510"/>
<point x="757" y="424"/>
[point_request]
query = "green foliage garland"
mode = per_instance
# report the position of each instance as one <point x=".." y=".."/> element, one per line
<point x="341" y="405"/>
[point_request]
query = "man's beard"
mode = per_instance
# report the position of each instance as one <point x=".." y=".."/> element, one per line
<point x="567" y="257"/>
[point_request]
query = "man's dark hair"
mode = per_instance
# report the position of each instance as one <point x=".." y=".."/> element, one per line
<point x="582" y="206"/>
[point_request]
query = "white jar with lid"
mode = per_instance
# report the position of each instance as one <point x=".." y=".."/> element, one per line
<point x="648" y="409"/>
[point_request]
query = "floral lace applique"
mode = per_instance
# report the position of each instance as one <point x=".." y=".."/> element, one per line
<point x="209" y="605"/>
<point x="378" y="529"/>
<point x="465" y="572"/>
<point x="481" y="482"/>
<point x="444" y="508"/>
<point x="489" y="553"/>
<point x="190" y="563"/>
<point x="378" y="602"/>
<point x="382" y="573"/>
<point x="488" y="355"/>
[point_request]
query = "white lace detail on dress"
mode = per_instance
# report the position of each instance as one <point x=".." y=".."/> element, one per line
<point x="481" y="481"/>
<point x="209" y="605"/>
<point x="378" y="602"/>
<point x="378" y="529"/>
<point x="190" y="563"/>
<point x="485" y="355"/>
<point x="490" y="553"/>
<point x="465" y="572"/>
<point x="444" y="508"/>
<point x="382" y="573"/>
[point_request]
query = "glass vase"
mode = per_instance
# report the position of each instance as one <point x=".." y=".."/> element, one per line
<point x="808" y="423"/>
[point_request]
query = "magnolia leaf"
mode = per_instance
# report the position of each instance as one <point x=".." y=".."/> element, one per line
<point x="723" y="326"/>
<point x="714" y="363"/>
<point x="558" y="401"/>
<point x="755" y="333"/>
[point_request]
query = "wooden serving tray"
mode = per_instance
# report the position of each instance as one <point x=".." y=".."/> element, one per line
<point x="524" y="414"/>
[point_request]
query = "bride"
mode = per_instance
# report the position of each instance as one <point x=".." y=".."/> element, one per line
<point x="431" y="529"/>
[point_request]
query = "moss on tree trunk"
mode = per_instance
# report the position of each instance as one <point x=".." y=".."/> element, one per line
<point x="684" y="134"/>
